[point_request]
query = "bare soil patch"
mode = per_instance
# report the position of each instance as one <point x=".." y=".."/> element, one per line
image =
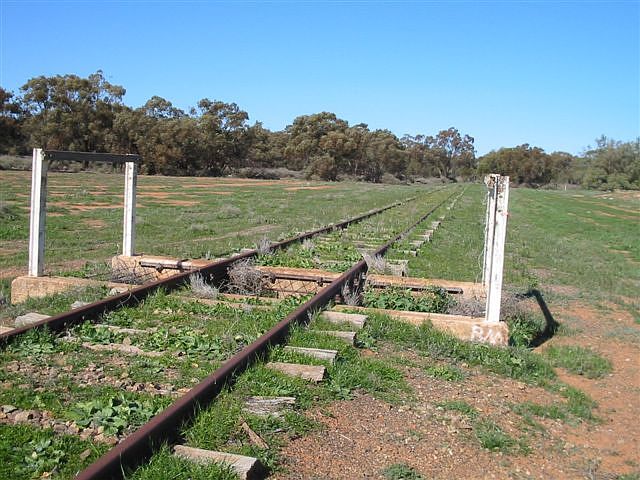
<point x="566" y="290"/>
<point x="616" y="441"/>
<point x="622" y="194"/>
<point x="364" y="435"/>
<point x="612" y="215"/>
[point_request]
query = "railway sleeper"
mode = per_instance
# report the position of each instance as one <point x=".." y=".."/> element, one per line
<point x="349" y="337"/>
<point x="246" y="468"/>
<point x="266" y="406"/>
<point x="313" y="373"/>
<point x="356" y="319"/>
<point x="319" y="353"/>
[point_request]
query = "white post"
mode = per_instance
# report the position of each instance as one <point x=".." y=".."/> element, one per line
<point x="496" y="260"/>
<point x="129" y="230"/>
<point x="38" y="213"/>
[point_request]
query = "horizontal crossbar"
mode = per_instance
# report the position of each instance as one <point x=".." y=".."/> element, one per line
<point x="89" y="156"/>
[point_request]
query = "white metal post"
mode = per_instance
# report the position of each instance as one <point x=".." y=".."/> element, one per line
<point x="494" y="291"/>
<point x="129" y="230"/>
<point x="38" y="213"/>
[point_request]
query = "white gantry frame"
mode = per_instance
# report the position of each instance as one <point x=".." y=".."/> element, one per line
<point x="495" y="235"/>
<point x="37" y="224"/>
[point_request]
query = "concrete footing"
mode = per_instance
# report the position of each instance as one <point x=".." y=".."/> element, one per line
<point x="470" y="329"/>
<point x="25" y="287"/>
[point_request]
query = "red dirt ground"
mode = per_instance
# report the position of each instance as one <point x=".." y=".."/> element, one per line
<point x="364" y="435"/>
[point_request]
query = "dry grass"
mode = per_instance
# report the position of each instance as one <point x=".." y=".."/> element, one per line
<point x="245" y="279"/>
<point x="351" y="297"/>
<point x="375" y="263"/>
<point x="200" y="288"/>
<point x="263" y="246"/>
<point x="124" y="274"/>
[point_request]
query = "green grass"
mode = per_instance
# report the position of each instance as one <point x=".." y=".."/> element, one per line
<point x="492" y="437"/>
<point x="338" y="250"/>
<point x="446" y="372"/>
<point x="513" y="362"/>
<point x="401" y="471"/>
<point x="459" y="238"/>
<point x="459" y="406"/>
<point x="578" y="360"/>
<point x="197" y="338"/>
<point x="224" y="217"/>
<point x="573" y="226"/>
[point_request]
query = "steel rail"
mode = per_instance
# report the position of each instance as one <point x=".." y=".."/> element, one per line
<point x="165" y="427"/>
<point x="216" y="271"/>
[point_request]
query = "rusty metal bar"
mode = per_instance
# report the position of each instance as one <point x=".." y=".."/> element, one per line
<point x="89" y="156"/>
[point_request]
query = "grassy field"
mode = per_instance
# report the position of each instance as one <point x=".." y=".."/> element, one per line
<point x="184" y="217"/>
<point x="555" y="239"/>
<point x="435" y="406"/>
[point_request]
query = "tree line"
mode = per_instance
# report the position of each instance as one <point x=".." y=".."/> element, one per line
<point x="68" y="112"/>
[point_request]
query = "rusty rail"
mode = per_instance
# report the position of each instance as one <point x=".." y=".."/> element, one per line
<point x="164" y="427"/>
<point x="216" y="271"/>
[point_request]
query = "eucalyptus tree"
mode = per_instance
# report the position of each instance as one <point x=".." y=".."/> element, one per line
<point x="69" y="112"/>
<point x="451" y="154"/>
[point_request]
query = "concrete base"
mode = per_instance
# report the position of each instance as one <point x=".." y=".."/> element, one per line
<point x="470" y="329"/>
<point x="25" y="287"/>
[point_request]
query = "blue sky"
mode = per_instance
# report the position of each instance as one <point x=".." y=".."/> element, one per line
<point x="552" y="74"/>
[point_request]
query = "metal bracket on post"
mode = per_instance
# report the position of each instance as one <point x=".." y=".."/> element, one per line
<point x="489" y="226"/>
<point x="129" y="227"/>
<point x="38" y="215"/>
<point x="495" y="237"/>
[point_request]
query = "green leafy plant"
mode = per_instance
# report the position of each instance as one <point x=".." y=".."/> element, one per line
<point x="434" y="299"/>
<point x="36" y="342"/>
<point x="97" y="334"/>
<point x="190" y="343"/>
<point x="524" y="327"/>
<point x="401" y="471"/>
<point x="41" y="457"/>
<point x="113" y="414"/>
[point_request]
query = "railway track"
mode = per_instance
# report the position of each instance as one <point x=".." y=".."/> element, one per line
<point x="164" y="428"/>
<point x="215" y="272"/>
